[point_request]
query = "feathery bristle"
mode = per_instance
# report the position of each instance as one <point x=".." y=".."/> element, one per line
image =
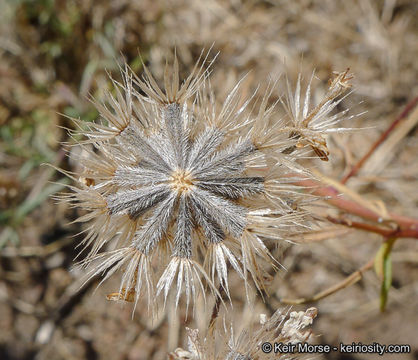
<point x="170" y="172"/>
<point x="311" y="124"/>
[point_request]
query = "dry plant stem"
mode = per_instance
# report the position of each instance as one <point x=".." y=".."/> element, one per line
<point x="348" y="281"/>
<point x="35" y="251"/>
<point x="363" y="226"/>
<point x="405" y="226"/>
<point x="216" y="307"/>
<point x="409" y="107"/>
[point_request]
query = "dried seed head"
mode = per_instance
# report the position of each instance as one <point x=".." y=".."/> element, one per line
<point x="312" y="124"/>
<point x="170" y="173"/>
<point x="280" y="328"/>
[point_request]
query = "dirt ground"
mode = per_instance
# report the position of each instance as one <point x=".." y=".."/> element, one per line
<point x="54" y="54"/>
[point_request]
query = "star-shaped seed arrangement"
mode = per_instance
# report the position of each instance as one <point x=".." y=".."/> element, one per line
<point x="177" y="190"/>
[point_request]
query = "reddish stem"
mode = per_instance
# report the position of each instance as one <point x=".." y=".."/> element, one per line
<point x="406" y="226"/>
<point x="366" y="227"/>
<point x="410" y="106"/>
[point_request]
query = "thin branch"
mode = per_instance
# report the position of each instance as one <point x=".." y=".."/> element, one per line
<point x="405" y="226"/>
<point x="409" y="107"/>
<point x="35" y="251"/>
<point x="363" y="226"/>
<point x="349" y="280"/>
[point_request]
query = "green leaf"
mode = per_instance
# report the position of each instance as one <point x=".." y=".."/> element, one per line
<point x="8" y="235"/>
<point x="383" y="269"/>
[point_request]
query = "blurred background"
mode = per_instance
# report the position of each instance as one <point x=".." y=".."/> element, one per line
<point x="55" y="53"/>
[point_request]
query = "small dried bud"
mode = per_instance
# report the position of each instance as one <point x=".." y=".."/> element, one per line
<point x="311" y="125"/>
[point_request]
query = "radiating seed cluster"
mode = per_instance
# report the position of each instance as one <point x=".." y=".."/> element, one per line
<point x="182" y="189"/>
<point x="282" y="328"/>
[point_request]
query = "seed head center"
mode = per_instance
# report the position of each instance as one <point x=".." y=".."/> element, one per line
<point x="181" y="180"/>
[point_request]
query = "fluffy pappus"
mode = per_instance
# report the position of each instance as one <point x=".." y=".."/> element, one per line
<point x="311" y="124"/>
<point x="290" y="328"/>
<point x="178" y="190"/>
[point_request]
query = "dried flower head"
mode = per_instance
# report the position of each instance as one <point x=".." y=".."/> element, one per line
<point x="184" y="189"/>
<point x="311" y="124"/>
<point x="280" y="328"/>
